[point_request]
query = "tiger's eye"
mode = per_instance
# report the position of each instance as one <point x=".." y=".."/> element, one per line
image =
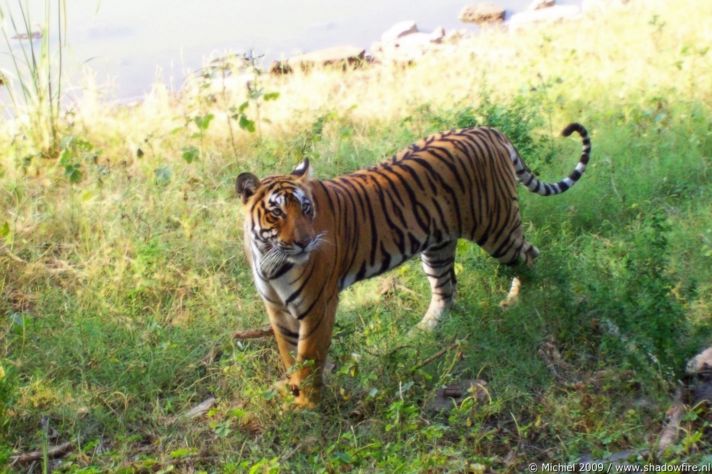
<point x="277" y="212"/>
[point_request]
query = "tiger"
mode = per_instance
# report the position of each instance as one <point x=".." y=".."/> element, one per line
<point x="307" y="239"/>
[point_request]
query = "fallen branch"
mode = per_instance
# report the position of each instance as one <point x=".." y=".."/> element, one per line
<point x="254" y="333"/>
<point x="556" y="364"/>
<point x="195" y="412"/>
<point x="52" y="452"/>
<point x="11" y="255"/>
<point x="199" y="409"/>
<point x="435" y="356"/>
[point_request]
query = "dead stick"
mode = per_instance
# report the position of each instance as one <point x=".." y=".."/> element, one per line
<point x="439" y="353"/>
<point x="196" y="411"/>
<point x="11" y="255"/>
<point x="254" y="333"/>
<point x="53" y="452"/>
<point x="671" y="428"/>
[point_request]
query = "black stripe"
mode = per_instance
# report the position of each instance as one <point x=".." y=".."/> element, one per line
<point x="447" y="161"/>
<point x="424" y="225"/>
<point x="395" y="229"/>
<point x="282" y="270"/>
<point x="448" y="188"/>
<point x="439" y="246"/>
<point x="386" y="260"/>
<point x="412" y="174"/>
<point x="287" y="333"/>
<point x="371" y="221"/>
<point x="438" y="263"/>
<point x="298" y="291"/>
<point x="328" y="198"/>
<point x="268" y="299"/>
<point x="311" y="306"/>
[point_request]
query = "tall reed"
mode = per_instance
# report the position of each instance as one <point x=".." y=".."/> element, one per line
<point x="34" y="86"/>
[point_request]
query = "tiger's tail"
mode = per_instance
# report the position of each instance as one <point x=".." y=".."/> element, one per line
<point x="528" y="179"/>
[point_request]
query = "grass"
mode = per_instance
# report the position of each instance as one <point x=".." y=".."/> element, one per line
<point x="122" y="275"/>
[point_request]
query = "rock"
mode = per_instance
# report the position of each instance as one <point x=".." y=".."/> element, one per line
<point x="336" y="56"/>
<point x="408" y="48"/>
<point x="482" y="13"/>
<point x="540" y="4"/>
<point x="279" y="67"/>
<point x="376" y="47"/>
<point x="401" y="55"/>
<point x="700" y="363"/>
<point x="454" y="36"/>
<point x="547" y="15"/>
<point x="421" y="39"/>
<point x="699" y="372"/>
<point x="400" y="29"/>
<point x="437" y="35"/>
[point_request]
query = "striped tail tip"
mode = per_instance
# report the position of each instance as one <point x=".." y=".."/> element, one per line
<point x="575" y="127"/>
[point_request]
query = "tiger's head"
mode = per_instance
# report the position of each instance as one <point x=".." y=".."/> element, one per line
<point x="279" y="220"/>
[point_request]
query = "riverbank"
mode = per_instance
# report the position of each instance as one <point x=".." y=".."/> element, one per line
<point x="122" y="277"/>
<point x="102" y="37"/>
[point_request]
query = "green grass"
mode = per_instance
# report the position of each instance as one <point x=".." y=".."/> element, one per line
<point x="122" y="275"/>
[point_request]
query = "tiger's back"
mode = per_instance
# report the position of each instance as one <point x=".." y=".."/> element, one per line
<point x="458" y="184"/>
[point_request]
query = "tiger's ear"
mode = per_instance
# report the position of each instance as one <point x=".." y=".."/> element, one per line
<point x="302" y="169"/>
<point x="245" y="185"/>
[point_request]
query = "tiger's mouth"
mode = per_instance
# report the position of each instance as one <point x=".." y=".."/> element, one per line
<point x="276" y="255"/>
<point x="301" y="257"/>
<point x="299" y="254"/>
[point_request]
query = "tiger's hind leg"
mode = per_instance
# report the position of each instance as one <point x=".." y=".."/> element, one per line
<point x="512" y="249"/>
<point x="439" y="265"/>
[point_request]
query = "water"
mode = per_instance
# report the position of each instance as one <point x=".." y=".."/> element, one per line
<point x="128" y="44"/>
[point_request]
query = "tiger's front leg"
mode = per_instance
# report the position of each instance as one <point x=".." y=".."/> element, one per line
<point x="314" y="341"/>
<point x="286" y="332"/>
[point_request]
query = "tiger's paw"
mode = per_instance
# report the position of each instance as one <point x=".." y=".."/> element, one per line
<point x="427" y="324"/>
<point x="303" y="402"/>
<point x="512" y="297"/>
<point x="295" y="397"/>
<point x="434" y="315"/>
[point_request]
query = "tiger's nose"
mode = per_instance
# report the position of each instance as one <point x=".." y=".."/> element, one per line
<point x="302" y="243"/>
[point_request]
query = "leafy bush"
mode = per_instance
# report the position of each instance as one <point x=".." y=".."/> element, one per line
<point x="633" y="296"/>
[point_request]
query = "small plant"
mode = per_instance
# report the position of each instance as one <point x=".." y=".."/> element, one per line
<point x="256" y="95"/>
<point x="74" y="151"/>
<point x="190" y="154"/>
